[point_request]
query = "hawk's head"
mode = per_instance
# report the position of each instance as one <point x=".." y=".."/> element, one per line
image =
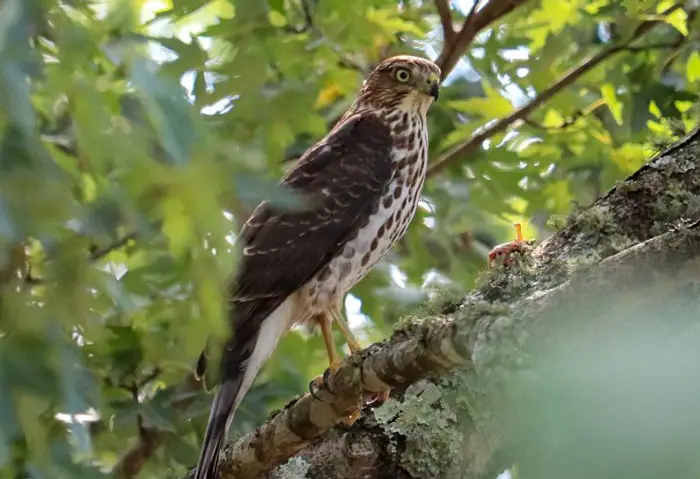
<point x="405" y="82"/>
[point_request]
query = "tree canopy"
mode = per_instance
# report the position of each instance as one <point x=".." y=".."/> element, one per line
<point x="138" y="134"/>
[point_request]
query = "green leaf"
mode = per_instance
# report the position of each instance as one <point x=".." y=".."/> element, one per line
<point x="595" y="6"/>
<point x="9" y="426"/>
<point x="654" y="109"/>
<point x="15" y="98"/>
<point x="553" y="119"/>
<point x="169" y="111"/>
<point x="125" y="349"/>
<point x="608" y="93"/>
<point x="277" y="6"/>
<point x="177" y="225"/>
<point x="276" y="18"/>
<point x="551" y="18"/>
<point x="388" y="21"/>
<point x="30" y="374"/>
<point x="629" y="157"/>
<point x="161" y="418"/>
<point x="190" y="54"/>
<point x="181" y="451"/>
<point x="683" y="106"/>
<point x="678" y="19"/>
<point x="493" y="106"/>
<point x="692" y="68"/>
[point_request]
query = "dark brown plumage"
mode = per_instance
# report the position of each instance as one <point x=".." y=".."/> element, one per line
<point x="361" y="185"/>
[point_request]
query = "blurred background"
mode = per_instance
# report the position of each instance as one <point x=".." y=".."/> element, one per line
<point x="136" y="136"/>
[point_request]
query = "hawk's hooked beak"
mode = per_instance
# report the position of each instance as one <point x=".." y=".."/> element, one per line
<point x="432" y="86"/>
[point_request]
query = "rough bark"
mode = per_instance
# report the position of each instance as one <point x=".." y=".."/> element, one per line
<point x="641" y="241"/>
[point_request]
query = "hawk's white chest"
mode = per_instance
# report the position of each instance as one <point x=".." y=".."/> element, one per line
<point x="391" y="218"/>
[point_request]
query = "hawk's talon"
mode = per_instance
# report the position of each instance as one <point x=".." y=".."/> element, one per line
<point x="377" y="399"/>
<point x="322" y="381"/>
<point x="327" y="377"/>
<point x="315" y="387"/>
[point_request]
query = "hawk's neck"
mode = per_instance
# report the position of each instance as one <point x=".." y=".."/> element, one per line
<point x="409" y="134"/>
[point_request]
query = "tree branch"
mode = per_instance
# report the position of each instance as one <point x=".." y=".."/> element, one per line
<point x="474" y="23"/>
<point x="460" y="151"/>
<point x="671" y="259"/>
<point x="567" y="122"/>
<point x="627" y="228"/>
<point x="443" y="9"/>
<point x="99" y="253"/>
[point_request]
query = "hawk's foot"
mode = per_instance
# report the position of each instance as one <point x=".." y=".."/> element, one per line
<point x="501" y="253"/>
<point x="321" y="382"/>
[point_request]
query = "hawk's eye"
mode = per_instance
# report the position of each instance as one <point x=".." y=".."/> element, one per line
<point x="402" y="75"/>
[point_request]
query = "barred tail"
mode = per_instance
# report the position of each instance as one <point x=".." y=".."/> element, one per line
<point x="226" y="401"/>
<point x="242" y="360"/>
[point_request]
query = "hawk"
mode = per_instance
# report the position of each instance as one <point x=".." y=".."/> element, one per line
<point x="361" y="184"/>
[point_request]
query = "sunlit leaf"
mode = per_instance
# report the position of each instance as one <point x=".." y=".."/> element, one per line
<point x="493" y="106"/>
<point x="629" y="157"/>
<point x="679" y="20"/>
<point x="693" y="67"/>
<point x="177" y="225"/>
<point x="610" y="97"/>
<point x="654" y="109"/>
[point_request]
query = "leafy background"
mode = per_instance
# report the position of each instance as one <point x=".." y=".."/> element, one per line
<point x="136" y="135"/>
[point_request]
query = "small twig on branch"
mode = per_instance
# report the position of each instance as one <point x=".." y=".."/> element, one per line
<point x="673" y="55"/>
<point x="308" y="20"/>
<point x="96" y="254"/>
<point x="443" y="9"/>
<point x="470" y="15"/>
<point x="568" y="122"/>
<point x="654" y="46"/>
<point x="473" y="24"/>
<point x="131" y="462"/>
<point x="465" y="149"/>
<point x="99" y="253"/>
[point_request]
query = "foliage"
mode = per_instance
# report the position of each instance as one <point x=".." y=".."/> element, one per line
<point x="137" y="134"/>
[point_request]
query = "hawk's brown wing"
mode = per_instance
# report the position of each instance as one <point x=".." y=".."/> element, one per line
<point x="342" y="180"/>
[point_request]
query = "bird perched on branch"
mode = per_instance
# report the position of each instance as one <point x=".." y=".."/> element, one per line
<point x="361" y="184"/>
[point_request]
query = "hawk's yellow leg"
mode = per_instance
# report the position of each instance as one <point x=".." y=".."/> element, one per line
<point x="354" y="346"/>
<point x="350" y="338"/>
<point x="327" y="331"/>
<point x="325" y="322"/>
